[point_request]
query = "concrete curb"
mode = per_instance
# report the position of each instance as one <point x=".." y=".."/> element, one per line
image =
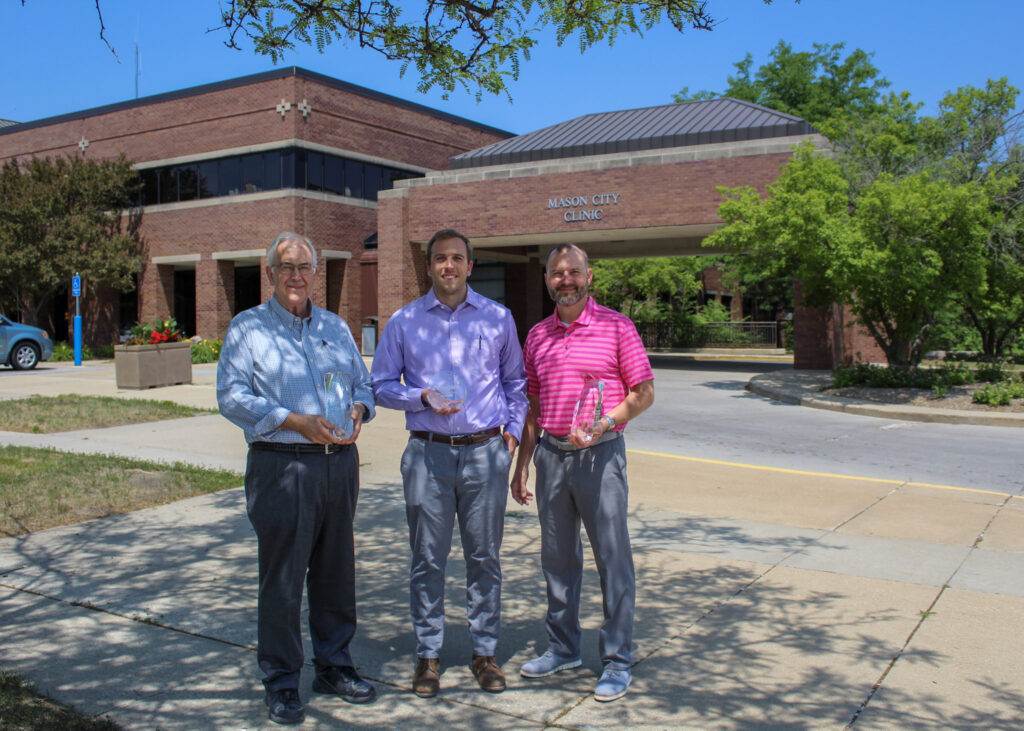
<point x="771" y="387"/>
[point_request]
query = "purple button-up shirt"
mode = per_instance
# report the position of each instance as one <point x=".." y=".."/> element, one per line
<point x="471" y="352"/>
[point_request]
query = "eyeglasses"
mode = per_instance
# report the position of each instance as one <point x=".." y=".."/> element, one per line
<point x="290" y="270"/>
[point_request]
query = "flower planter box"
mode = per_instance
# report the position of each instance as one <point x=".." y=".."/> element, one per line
<point x="152" y="366"/>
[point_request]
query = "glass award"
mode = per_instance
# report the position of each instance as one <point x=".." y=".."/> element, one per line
<point x="588" y="409"/>
<point x="338" y="395"/>
<point x="447" y="394"/>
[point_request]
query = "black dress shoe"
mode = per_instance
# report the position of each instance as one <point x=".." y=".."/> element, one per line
<point x="344" y="682"/>
<point x="284" y="706"/>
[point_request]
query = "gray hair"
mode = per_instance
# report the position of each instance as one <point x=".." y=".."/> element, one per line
<point x="290" y="236"/>
<point x="565" y="249"/>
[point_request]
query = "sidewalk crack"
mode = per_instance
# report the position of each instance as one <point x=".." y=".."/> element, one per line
<point x="925" y="614"/>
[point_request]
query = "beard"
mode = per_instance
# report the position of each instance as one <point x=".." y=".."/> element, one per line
<point x="568" y="297"/>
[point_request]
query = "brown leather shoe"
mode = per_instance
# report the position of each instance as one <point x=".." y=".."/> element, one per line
<point x="426" y="681"/>
<point x="488" y="674"/>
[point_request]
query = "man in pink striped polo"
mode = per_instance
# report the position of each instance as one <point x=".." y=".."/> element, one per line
<point x="581" y="477"/>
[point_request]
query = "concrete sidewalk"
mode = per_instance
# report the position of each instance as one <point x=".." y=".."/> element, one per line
<point x="765" y="598"/>
<point x="805" y="389"/>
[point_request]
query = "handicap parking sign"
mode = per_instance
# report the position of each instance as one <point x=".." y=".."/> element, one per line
<point x="76" y="286"/>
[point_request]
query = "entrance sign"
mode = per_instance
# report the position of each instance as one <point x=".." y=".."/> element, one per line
<point x="583" y="207"/>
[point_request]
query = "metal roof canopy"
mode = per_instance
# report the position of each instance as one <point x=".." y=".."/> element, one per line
<point x="649" y="128"/>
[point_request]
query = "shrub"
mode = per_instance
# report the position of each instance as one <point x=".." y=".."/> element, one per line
<point x="206" y="351"/>
<point x="991" y="373"/>
<point x="63" y="351"/>
<point x="891" y="377"/>
<point x="999" y="394"/>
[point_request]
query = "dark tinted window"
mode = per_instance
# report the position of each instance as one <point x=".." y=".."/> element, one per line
<point x="252" y="173"/>
<point x="314" y="171"/>
<point x="208" y="179"/>
<point x="188" y="183"/>
<point x="168" y="185"/>
<point x="230" y="175"/>
<point x="300" y="168"/>
<point x="150" y="191"/>
<point x="353" y="179"/>
<point x="371" y="181"/>
<point x="272" y="170"/>
<point x="334" y="169"/>
<point x="288" y="168"/>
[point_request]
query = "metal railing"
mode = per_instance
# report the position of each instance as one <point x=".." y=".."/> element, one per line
<point x="741" y="334"/>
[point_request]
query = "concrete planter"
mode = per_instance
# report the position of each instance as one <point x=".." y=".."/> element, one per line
<point x="152" y="366"/>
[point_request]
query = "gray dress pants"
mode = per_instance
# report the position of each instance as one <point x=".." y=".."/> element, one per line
<point x="588" y="486"/>
<point x="443" y="482"/>
<point x="301" y="506"/>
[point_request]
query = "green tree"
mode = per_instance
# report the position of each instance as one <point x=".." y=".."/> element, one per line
<point x="64" y="215"/>
<point x="650" y="290"/>
<point x="896" y="250"/>
<point x="449" y="42"/>
<point x="814" y="85"/>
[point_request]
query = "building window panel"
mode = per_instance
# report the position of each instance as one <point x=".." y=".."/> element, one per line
<point x="230" y="174"/>
<point x="188" y="183"/>
<point x="353" y="179"/>
<point x="150" y="187"/>
<point x="208" y="179"/>
<point x="168" y="185"/>
<point x="272" y="170"/>
<point x="252" y="173"/>
<point x="314" y="171"/>
<point x="334" y="173"/>
<point x="371" y="181"/>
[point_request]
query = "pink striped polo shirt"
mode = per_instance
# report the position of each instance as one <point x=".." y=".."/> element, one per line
<point x="601" y="343"/>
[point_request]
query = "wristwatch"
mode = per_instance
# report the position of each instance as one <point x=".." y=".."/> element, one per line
<point x="610" y="421"/>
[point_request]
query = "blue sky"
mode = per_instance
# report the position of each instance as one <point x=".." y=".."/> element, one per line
<point x="53" y="61"/>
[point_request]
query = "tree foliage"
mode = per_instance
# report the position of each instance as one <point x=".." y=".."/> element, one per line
<point x="64" y="215"/>
<point x="895" y="250"/>
<point x="649" y="290"/>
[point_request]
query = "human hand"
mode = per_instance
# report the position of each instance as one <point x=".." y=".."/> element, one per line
<point x="314" y="428"/>
<point x="438" y="403"/>
<point x="580" y="438"/>
<point x="358" y="412"/>
<point x="510" y="443"/>
<point x="520" y="492"/>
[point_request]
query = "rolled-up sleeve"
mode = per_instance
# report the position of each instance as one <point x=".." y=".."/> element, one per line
<point x="236" y="398"/>
<point x="386" y="374"/>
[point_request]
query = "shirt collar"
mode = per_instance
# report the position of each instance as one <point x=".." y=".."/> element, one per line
<point x="473" y="299"/>
<point x="582" y="321"/>
<point x="288" y="319"/>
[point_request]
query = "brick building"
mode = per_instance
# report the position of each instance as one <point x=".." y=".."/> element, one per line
<point x="370" y="177"/>
<point x="227" y="166"/>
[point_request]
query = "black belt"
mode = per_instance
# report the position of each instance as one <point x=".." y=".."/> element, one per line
<point x="457" y="440"/>
<point x="298" y="447"/>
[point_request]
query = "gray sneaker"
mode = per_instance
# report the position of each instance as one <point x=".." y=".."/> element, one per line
<point x="548" y="664"/>
<point x="612" y="685"/>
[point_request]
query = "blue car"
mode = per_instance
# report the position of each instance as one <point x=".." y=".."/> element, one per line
<point x="23" y="346"/>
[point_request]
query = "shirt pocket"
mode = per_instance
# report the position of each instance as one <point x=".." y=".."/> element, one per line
<point x="483" y="356"/>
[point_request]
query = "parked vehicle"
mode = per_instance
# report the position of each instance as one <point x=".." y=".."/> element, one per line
<point x="23" y="346"/>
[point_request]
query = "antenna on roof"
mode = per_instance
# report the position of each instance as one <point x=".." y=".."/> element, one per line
<point x="138" y="66"/>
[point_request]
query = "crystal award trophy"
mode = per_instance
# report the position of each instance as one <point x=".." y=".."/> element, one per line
<point x="588" y="409"/>
<point x="338" y="394"/>
<point x="446" y="395"/>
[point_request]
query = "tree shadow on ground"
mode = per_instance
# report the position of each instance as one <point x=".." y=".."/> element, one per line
<point x="719" y="642"/>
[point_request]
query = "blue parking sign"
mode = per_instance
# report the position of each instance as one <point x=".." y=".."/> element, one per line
<point x="76" y="286"/>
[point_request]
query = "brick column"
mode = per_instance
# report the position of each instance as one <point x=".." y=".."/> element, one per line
<point x="349" y="294"/>
<point x="812" y="334"/>
<point x="156" y="291"/>
<point x="215" y="297"/>
<point x="402" y="274"/>
<point x="266" y="288"/>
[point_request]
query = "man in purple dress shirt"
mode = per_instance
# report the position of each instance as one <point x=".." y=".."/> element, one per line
<point x="464" y="399"/>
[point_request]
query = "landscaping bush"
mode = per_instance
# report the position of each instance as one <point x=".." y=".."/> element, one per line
<point x="999" y="394"/>
<point x="63" y="351"/>
<point x="890" y="377"/>
<point x="206" y="351"/>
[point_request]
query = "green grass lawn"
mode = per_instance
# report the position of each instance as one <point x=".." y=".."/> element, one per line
<point x="22" y="708"/>
<point x="43" y="488"/>
<point x="45" y="414"/>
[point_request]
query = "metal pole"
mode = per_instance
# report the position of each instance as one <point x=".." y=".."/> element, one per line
<point x="78" y="323"/>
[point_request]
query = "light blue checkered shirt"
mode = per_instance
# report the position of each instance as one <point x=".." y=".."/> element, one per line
<point x="273" y="363"/>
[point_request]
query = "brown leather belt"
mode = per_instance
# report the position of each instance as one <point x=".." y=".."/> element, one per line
<point x="457" y="440"/>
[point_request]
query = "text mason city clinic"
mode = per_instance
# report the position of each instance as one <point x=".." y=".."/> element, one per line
<point x="584" y="207"/>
